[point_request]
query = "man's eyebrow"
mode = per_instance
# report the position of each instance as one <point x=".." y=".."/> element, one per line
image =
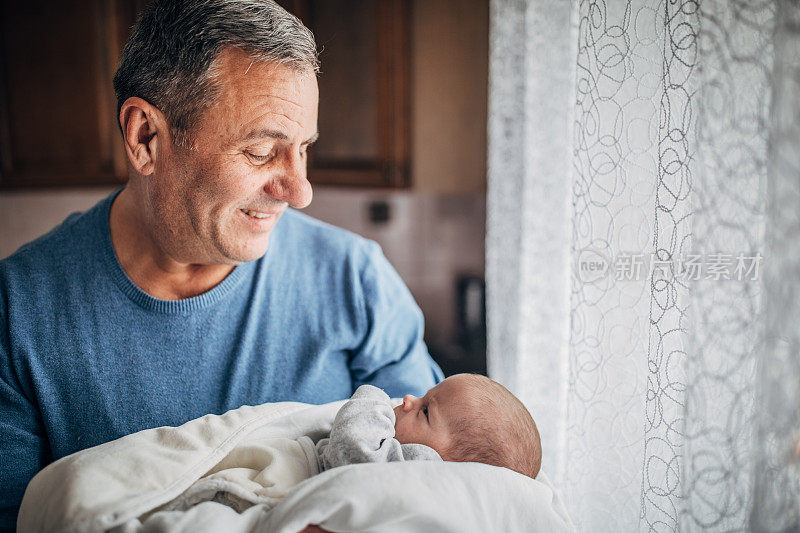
<point x="265" y="133"/>
<point x="275" y="134"/>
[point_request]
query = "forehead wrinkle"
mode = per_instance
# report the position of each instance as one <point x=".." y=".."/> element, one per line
<point x="235" y="92"/>
<point x="264" y="131"/>
<point x="227" y="68"/>
<point x="287" y="117"/>
<point x="278" y="114"/>
<point x="259" y="104"/>
<point x="276" y="97"/>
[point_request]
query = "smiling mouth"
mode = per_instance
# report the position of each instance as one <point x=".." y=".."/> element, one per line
<point x="256" y="214"/>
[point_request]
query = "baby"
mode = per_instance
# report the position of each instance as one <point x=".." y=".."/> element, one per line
<point x="467" y="417"/>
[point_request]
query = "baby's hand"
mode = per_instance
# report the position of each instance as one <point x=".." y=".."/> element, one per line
<point x="369" y="392"/>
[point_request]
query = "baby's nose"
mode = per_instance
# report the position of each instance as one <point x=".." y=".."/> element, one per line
<point x="408" y="400"/>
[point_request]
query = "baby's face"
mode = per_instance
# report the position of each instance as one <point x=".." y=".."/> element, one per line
<point x="427" y="420"/>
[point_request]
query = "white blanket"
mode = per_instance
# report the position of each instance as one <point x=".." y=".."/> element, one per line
<point x="125" y="485"/>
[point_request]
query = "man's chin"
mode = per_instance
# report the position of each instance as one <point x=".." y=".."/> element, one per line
<point x="249" y="252"/>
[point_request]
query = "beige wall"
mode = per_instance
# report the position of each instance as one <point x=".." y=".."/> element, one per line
<point x="25" y="215"/>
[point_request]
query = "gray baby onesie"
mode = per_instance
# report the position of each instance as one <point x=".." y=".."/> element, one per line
<point x="363" y="432"/>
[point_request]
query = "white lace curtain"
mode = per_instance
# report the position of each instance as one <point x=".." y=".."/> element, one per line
<point x="643" y="254"/>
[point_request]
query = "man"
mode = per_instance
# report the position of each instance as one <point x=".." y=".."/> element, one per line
<point x="195" y="289"/>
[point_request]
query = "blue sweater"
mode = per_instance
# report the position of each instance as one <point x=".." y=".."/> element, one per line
<point x="87" y="357"/>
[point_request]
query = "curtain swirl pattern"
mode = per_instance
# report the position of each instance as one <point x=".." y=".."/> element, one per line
<point x="643" y="254"/>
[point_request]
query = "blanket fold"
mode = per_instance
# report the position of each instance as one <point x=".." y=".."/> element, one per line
<point x="102" y="487"/>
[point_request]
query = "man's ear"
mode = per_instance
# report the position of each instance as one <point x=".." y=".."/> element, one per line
<point x="143" y="126"/>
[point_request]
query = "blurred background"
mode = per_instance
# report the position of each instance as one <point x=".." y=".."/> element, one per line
<point x="401" y="157"/>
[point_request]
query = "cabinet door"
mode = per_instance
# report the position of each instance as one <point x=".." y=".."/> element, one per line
<point x="364" y="90"/>
<point x="58" y="124"/>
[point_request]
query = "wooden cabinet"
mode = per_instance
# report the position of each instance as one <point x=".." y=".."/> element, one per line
<point x="58" y="124"/>
<point x="57" y="105"/>
<point x="364" y="107"/>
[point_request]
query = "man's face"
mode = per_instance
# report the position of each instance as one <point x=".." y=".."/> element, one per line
<point x="217" y="201"/>
<point x="428" y="420"/>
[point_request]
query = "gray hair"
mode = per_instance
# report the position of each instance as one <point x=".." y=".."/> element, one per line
<point x="169" y="59"/>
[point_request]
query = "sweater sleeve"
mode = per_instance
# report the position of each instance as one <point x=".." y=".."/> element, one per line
<point x="393" y="355"/>
<point x="23" y="446"/>
<point x="363" y="432"/>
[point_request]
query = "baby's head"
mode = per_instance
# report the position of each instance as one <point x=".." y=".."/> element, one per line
<point x="469" y="417"/>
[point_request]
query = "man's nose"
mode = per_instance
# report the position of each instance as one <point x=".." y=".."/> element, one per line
<point x="289" y="183"/>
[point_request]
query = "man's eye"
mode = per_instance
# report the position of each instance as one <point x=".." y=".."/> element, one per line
<point x="259" y="158"/>
<point x="425" y="411"/>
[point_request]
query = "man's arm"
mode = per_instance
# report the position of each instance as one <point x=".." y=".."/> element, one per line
<point x="23" y="448"/>
<point x="393" y="355"/>
<point x="363" y="432"/>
